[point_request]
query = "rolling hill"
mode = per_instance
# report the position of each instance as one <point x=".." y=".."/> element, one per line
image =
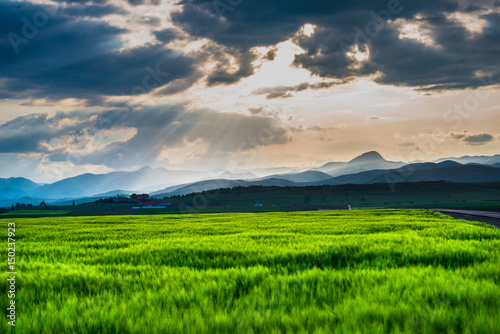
<point x="459" y="174"/>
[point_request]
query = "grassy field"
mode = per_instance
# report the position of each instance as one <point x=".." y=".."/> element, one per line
<point x="313" y="272"/>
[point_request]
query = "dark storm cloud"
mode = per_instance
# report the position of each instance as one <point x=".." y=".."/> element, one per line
<point x="72" y="57"/>
<point x="86" y="2"/>
<point x="144" y="2"/>
<point x="23" y="135"/>
<point x="166" y="35"/>
<point x="92" y="10"/>
<point x="100" y="2"/>
<point x="156" y="128"/>
<point x="223" y="73"/>
<point x="261" y="22"/>
<point x="453" y="63"/>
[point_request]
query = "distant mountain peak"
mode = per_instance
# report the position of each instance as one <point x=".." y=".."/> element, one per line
<point x="145" y="169"/>
<point x="332" y="163"/>
<point x="372" y="156"/>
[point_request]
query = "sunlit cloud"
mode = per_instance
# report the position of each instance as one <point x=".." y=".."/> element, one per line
<point x="472" y="22"/>
<point x="358" y="55"/>
<point x="415" y="31"/>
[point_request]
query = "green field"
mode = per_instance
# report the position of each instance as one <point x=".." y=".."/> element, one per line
<point x="372" y="271"/>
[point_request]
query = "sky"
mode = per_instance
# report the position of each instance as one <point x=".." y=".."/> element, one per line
<point x="105" y="85"/>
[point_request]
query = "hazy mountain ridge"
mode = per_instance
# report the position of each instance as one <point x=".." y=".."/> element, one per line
<point x="369" y="167"/>
<point x="307" y="176"/>
<point x="373" y="176"/>
<point x="479" y="159"/>
<point x="329" y="166"/>
<point x="219" y="184"/>
<point x="365" y="162"/>
<point x="445" y="171"/>
<point x="145" y="179"/>
<point x="17" y="186"/>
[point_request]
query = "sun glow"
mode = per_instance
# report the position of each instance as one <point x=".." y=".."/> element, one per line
<point x="308" y="29"/>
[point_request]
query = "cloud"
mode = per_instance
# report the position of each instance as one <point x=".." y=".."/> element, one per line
<point x="144" y="2"/>
<point x="72" y="57"/>
<point x="94" y="11"/>
<point x="407" y="144"/>
<point x="429" y="141"/>
<point x="319" y="128"/>
<point x="271" y="54"/>
<point x="473" y="139"/>
<point x="255" y="111"/>
<point x="79" y="54"/>
<point x="224" y="73"/>
<point x="286" y="91"/>
<point x="166" y="35"/>
<point x="84" y="2"/>
<point x="355" y="39"/>
<point x="125" y="137"/>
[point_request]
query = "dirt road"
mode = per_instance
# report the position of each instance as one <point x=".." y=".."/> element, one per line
<point x="490" y="217"/>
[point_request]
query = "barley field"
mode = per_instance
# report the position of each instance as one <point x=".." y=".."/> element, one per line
<point x="366" y="271"/>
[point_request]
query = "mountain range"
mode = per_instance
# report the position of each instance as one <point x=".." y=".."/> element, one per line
<point x="478" y="159"/>
<point x="367" y="168"/>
